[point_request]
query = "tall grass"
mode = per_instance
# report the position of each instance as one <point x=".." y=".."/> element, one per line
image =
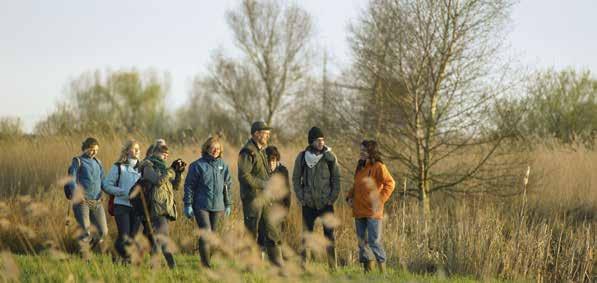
<point x="554" y="239"/>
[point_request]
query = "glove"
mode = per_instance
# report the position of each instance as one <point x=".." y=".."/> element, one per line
<point x="188" y="211"/>
<point x="178" y="165"/>
<point x="68" y="190"/>
<point x="227" y="211"/>
<point x="175" y="164"/>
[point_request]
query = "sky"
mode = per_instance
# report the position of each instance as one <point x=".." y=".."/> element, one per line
<point x="45" y="44"/>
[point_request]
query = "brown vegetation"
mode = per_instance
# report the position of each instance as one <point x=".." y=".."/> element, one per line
<point x="552" y="239"/>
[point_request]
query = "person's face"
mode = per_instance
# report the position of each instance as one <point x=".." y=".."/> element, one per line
<point x="273" y="163"/>
<point x="364" y="155"/>
<point x="134" y="152"/>
<point x="162" y="155"/>
<point x="92" y="151"/>
<point x="215" y="150"/>
<point x="319" y="143"/>
<point x="262" y="137"/>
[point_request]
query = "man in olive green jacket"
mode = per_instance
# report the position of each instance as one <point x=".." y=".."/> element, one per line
<point x="253" y="174"/>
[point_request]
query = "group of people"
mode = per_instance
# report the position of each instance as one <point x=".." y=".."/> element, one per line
<point x="142" y="194"/>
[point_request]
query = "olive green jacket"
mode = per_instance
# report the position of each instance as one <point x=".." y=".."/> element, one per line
<point x="253" y="171"/>
<point x="163" y="201"/>
<point x="318" y="186"/>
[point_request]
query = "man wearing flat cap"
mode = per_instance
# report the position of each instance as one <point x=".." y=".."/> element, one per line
<point x="253" y="174"/>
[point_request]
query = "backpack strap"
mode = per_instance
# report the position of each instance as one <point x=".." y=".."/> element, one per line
<point x="304" y="165"/>
<point x="78" y="166"/>
<point x="303" y="168"/>
<point x="119" y="166"/>
<point x="330" y="167"/>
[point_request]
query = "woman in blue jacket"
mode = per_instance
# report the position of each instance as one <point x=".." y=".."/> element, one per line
<point x="207" y="192"/>
<point x="123" y="175"/>
<point x="85" y="191"/>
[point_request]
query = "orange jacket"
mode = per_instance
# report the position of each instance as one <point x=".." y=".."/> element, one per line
<point x="373" y="186"/>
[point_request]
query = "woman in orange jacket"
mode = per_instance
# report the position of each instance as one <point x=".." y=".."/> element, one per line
<point x="372" y="187"/>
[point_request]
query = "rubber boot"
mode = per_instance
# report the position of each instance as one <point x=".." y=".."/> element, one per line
<point x="304" y="258"/>
<point x="367" y="266"/>
<point x="381" y="266"/>
<point x="204" y="254"/>
<point x="332" y="263"/>
<point x="274" y="253"/>
<point x="170" y="260"/>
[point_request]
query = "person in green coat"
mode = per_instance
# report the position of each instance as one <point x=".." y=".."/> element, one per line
<point x="162" y="205"/>
<point x="253" y="175"/>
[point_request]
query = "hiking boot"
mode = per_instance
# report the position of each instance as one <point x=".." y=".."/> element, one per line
<point x="274" y="253"/>
<point x="204" y="254"/>
<point x="96" y="245"/>
<point x="382" y="266"/>
<point x="170" y="260"/>
<point x="332" y="263"/>
<point x="305" y="254"/>
<point x="367" y="266"/>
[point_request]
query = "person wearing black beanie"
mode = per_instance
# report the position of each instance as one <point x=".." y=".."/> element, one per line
<point x="314" y="133"/>
<point x="316" y="183"/>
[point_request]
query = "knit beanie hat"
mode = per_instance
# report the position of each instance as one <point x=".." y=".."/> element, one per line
<point x="314" y="134"/>
<point x="89" y="142"/>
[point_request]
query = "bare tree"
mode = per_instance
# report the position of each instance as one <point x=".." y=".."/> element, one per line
<point x="429" y="71"/>
<point x="273" y="38"/>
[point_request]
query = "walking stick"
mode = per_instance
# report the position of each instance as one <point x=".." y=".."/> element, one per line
<point x="149" y="226"/>
<point x="67" y="218"/>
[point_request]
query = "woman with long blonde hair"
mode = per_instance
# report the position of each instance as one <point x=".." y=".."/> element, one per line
<point x="123" y="175"/>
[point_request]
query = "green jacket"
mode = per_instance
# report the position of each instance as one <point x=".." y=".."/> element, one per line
<point x="318" y="186"/>
<point x="163" y="201"/>
<point x="253" y="171"/>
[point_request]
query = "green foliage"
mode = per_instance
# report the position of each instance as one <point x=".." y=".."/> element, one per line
<point x="121" y="101"/>
<point x="561" y="105"/>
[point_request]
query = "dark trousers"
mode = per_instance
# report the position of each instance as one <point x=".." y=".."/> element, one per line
<point x="311" y="214"/>
<point x="159" y="238"/>
<point x="206" y="220"/>
<point x="258" y="221"/>
<point x="127" y="223"/>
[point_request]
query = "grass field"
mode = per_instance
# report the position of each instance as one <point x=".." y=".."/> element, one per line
<point x="45" y="268"/>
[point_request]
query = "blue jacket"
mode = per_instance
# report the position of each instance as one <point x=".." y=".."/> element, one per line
<point x="128" y="177"/>
<point x="88" y="175"/>
<point x="204" y="185"/>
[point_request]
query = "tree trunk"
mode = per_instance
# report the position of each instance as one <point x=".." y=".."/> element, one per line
<point x="425" y="209"/>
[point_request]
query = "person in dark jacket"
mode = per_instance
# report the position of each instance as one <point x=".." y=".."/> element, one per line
<point x="120" y="180"/>
<point x="280" y="186"/>
<point x="207" y="192"/>
<point x="316" y="183"/>
<point x="87" y="173"/>
<point x="278" y="169"/>
<point x="253" y="175"/>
